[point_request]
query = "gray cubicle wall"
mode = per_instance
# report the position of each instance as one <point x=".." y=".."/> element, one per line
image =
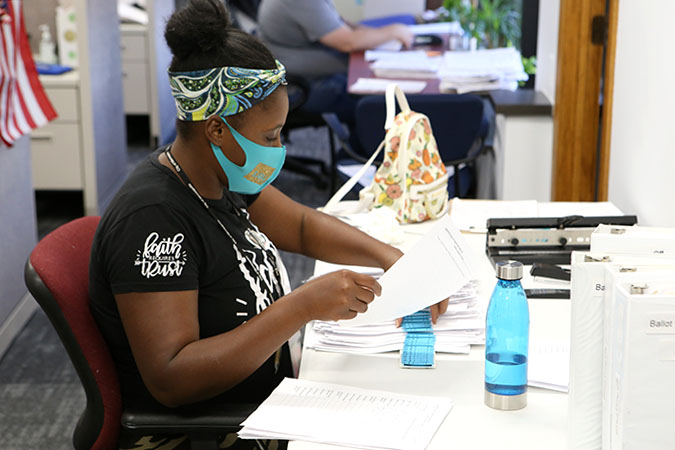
<point x="102" y="99"/>
<point x="18" y="232"/>
<point x="164" y="126"/>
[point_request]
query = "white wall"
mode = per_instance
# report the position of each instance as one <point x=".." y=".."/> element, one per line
<point x="547" y="48"/>
<point x="642" y="162"/>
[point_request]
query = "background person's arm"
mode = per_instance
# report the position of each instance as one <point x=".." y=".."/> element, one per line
<point x="347" y="39"/>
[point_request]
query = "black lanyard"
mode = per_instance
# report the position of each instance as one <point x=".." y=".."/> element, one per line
<point x="183" y="176"/>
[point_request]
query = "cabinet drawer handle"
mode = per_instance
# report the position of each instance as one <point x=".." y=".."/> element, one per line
<point x="42" y="137"/>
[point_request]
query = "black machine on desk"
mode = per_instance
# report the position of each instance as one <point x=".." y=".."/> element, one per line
<point x="544" y="239"/>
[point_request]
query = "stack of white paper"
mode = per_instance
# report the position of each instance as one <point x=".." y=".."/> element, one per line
<point x="437" y="28"/>
<point x="413" y="64"/>
<point x="435" y="268"/>
<point x="343" y="415"/>
<point x="462" y="325"/>
<point x="497" y="68"/>
<point x="379" y="85"/>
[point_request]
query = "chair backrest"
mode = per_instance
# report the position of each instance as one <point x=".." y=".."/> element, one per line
<point x="248" y="7"/>
<point x="457" y="122"/>
<point x="57" y="274"/>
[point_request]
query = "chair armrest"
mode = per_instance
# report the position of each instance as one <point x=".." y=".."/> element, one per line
<point x="218" y="418"/>
<point x="478" y="147"/>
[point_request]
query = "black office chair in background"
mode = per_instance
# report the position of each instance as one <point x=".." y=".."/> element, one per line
<point x="298" y="88"/>
<point x="459" y="123"/>
<point x="323" y="176"/>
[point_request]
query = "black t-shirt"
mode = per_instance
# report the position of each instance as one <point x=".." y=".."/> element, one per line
<point x="156" y="236"/>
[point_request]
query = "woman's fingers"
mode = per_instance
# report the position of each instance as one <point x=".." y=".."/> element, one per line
<point x="444" y="305"/>
<point x="368" y="282"/>
<point x="438" y="309"/>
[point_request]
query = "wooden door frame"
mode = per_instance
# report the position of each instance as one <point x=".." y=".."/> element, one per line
<point x="581" y="136"/>
<point x="608" y="96"/>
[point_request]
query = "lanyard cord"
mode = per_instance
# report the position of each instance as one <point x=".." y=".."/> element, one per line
<point x="183" y="176"/>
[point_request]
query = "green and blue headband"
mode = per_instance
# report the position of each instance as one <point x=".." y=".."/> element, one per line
<point x="225" y="91"/>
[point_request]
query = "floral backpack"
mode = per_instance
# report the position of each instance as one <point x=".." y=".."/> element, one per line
<point x="412" y="179"/>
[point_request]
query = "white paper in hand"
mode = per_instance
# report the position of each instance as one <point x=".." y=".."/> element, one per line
<point x="435" y="268"/>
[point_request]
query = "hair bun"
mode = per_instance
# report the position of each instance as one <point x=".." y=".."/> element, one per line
<point x="199" y="27"/>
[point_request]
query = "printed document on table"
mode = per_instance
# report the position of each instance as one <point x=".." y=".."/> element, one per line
<point x="343" y="415"/>
<point x="434" y="269"/>
<point x="472" y="215"/>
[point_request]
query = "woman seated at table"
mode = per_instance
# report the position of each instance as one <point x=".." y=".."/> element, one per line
<point x="186" y="282"/>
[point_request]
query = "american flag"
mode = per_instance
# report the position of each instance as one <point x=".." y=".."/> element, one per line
<point x="24" y="105"/>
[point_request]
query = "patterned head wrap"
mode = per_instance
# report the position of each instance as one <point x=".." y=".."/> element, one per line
<point x="225" y="91"/>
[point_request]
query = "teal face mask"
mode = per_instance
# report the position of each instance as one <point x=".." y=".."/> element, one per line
<point x="262" y="165"/>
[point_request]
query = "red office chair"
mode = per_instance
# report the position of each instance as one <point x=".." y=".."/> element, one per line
<point x="57" y="275"/>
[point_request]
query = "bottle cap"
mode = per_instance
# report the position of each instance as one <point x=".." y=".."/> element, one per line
<point x="509" y="270"/>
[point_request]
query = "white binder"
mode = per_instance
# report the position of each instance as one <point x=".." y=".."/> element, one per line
<point x="643" y="365"/>
<point x="634" y="240"/>
<point x="616" y="274"/>
<point x="588" y="342"/>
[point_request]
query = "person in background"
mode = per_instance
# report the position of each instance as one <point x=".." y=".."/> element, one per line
<point x="186" y="283"/>
<point x="311" y="39"/>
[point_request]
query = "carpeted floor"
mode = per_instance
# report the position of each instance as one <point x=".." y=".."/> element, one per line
<point x="40" y="395"/>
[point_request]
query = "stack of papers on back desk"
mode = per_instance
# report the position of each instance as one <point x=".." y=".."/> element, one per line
<point x="411" y="64"/>
<point x="343" y="415"/>
<point x="497" y="68"/>
<point x="379" y="85"/>
<point x="462" y="325"/>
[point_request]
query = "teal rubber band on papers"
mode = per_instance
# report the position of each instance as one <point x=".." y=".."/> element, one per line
<point x="419" y="321"/>
<point x="418" y="347"/>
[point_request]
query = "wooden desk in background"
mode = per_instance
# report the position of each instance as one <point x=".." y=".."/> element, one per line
<point x="520" y="167"/>
<point x="360" y="68"/>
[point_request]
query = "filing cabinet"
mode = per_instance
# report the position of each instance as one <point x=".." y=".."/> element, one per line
<point x="135" y="69"/>
<point x="56" y="148"/>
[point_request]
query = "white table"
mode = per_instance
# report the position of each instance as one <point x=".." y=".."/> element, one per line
<point x="470" y="424"/>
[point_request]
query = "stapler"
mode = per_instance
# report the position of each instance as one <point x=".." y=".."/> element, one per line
<point x="544" y="239"/>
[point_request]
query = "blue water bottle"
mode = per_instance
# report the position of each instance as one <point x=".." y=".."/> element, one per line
<point x="507" y="331"/>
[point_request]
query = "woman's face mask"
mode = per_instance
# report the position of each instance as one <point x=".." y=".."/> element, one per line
<point x="262" y="165"/>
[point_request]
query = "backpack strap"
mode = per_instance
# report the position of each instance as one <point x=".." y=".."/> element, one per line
<point x="344" y="190"/>
<point x="394" y="93"/>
